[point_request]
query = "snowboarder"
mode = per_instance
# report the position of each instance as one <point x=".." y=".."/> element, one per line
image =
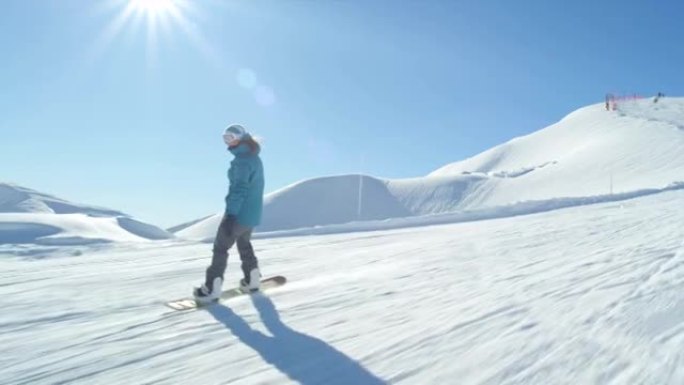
<point x="244" y="204"/>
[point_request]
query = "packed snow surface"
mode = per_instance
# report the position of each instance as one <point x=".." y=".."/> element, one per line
<point x="583" y="295"/>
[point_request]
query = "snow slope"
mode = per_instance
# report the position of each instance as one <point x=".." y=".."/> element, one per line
<point x="589" y="153"/>
<point x="639" y="146"/>
<point x="583" y="295"/>
<point x="28" y="216"/>
<point x="185" y="225"/>
<point x="319" y="201"/>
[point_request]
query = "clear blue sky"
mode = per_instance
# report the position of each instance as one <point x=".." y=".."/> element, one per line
<point x="102" y="108"/>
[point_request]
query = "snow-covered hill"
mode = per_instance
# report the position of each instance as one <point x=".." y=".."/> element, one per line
<point x="28" y="216"/>
<point x="18" y="199"/>
<point x="588" y="295"/>
<point x="589" y="153"/>
<point x="556" y="258"/>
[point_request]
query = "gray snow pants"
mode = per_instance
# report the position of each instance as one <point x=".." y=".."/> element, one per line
<point x="226" y="236"/>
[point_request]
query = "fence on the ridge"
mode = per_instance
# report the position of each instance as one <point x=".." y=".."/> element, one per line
<point x="613" y="100"/>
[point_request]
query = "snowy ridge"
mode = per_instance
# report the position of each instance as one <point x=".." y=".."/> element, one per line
<point x="584" y="150"/>
<point x="18" y="199"/>
<point x="28" y="216"/>
<point x="590" y="152"/>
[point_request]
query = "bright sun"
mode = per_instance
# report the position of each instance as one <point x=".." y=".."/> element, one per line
<point x="156" y="17"/>
<point x="153" y="6"/>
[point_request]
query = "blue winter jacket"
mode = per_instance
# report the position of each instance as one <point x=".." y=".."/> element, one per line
<point x="245" y="197"/>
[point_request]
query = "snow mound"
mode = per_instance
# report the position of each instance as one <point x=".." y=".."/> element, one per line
<point x="19" y="230"/>
<point x="141" y="229"/>
<point x="204" y="230"/>
<point x="74" y="229"/>
<point x="316" y="202"/>
<point x="183" y="226"/>
<point x="28" y="216"/>
<point x="17" y="199"/>
<point x="328" y="200"/>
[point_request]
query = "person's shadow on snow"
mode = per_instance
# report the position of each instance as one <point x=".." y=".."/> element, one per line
<point x="301" y="357"/>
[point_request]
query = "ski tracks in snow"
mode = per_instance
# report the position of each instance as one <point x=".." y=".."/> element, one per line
<point x="585" y="295"/>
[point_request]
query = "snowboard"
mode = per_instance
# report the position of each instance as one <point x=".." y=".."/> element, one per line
<point x="189" y="303"/>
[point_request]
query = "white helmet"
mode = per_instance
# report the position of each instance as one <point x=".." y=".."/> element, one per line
<point x="234" y="132"/>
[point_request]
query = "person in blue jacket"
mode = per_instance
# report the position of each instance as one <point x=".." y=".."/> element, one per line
<point x="244" y="204"/>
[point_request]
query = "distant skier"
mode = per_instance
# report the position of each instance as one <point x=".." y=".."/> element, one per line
<point x="610" y="100"/>
<point x="660" y="95"/>
<point x="243" y="212"/>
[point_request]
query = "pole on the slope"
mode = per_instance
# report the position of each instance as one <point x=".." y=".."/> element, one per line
<point x="611" y="183"/>
<point x="358" y="213"/>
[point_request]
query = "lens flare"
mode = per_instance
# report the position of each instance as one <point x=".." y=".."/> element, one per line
<point x="153" y="6"/>
<point x="157" y="17"/>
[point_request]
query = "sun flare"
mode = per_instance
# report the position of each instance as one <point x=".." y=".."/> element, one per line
<point x="156" y="16"/>
<point x="153" y="20"/>
<point x="154" y="7"/>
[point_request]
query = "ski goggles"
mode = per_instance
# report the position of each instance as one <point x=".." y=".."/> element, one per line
<point x="230" y="137"/>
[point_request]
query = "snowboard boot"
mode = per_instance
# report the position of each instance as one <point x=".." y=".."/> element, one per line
<point x="205" y="295"/>
<point x="252" y="282"/>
